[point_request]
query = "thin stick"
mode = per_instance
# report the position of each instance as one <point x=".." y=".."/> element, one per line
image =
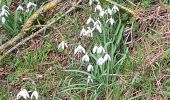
<point x="39" y="31"/>
<point x="28" y="25"/>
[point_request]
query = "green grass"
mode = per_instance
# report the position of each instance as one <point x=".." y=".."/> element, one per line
<point x="125" y="77"/>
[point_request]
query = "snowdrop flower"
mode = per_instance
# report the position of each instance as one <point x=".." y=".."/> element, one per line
<point x="83" y="32"/>
<point x="3" y="20"/>
<point x="20" y="8"/>
<point x="4" y="11"/>
<point x="23" y="94"/>
<point x="90" y="2"/>
<point x="115" y="9"/>
<point x="107" y="57"/>
<point x="111" y="21"/>
<point x="98" y="28"/>
<point x="97" y="25"/>
<point x="100" y="61"/>
<point x="35" y="95"/>
<point x="90" y="20"/>
<point x="85" y="58"/>
<point x="90" y="68"/>
<point x="100" y="50"/>
<point x="89" y="79"/>
<point x="62" y="45"/>
<point x="98" y="8"/>
<point x="5" y="7"/>
<point x="79" y="49"/>
<point x="109" y="11"/>
<point x="95" y="49"/>
<point x="29" y="5"/>
<point x="89" y="32"/>
<point x="101" y="13"/>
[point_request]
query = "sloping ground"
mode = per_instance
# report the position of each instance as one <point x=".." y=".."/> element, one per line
<point x="39" y="64"/>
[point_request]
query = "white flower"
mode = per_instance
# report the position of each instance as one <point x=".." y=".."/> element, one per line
<point x="107" y="57"/>
<point x="111" y="21"/>
<point x="83" y="32"/>
<point x="3" y="20"/>
<point x="62" y="45"/>
<point x="100" y="61"/>
<point x="79" y="49"/>
<point x="98" y="27"/>
<point x="4" y="11"/>
<point x="89" y="79"/>
<point x="89" y="32"/>
<point x="90" y="2"/>
<point x="85" y="58"/>
<point x="20" y="8"/>
<point x="29" y="5"/>
<point x="95" y="49"/>
<point x="109" y="11"/>
<point x="35" y="95"/>
<point x="90" y="68"/>
<point x="101" y="13"/>
<point x="23" y="94"/>
<point x="5" y="7"/>
<point x="97" y="23"/>
<point x="90" y="20"/>
<point x="115" y="9"/>
<point x="100" y="50"/>
<point x="98" y="8"/>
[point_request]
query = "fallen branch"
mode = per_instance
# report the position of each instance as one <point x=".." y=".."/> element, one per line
<point x="39" y="31"/>
<point x="28" y="25"/>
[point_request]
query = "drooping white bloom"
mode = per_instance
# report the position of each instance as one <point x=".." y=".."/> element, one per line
<point x="90" y="20"/>
<point x="35" y="95"/>
<point x="89" y="32"/>
<point x="101" y="13"/>
<point x="98" y="23"/>
<point x="98" y="8"/>
<point x="83" y="32"/>
<point x="100" y="50"/>
<point x="109" y="11"/>
<point x="3" y="20"/>
<point x="98" y="26"/>
<point x="90" y="2"/>
<point x="79" y="49"/>
<point x="4" y="7"/>
<point x="4" y="11"/>
<point x="23" y="94"/>
<point x="62" y="45"/>
<point x="90" y="68"/>
<point x="19" y="8"/>
<point x="111" y="21"/>
<point x="100" y="61"/>
<point x="89" y="79"/>
<point x="95" y="48"/>
<point x="107" y="57"/>
<point x="29" y="5"/>
<point x="85" y="58"/>
<point x="115" y="9"/>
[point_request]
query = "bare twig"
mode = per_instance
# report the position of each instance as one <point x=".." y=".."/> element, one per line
<point x="39" y="31"/>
